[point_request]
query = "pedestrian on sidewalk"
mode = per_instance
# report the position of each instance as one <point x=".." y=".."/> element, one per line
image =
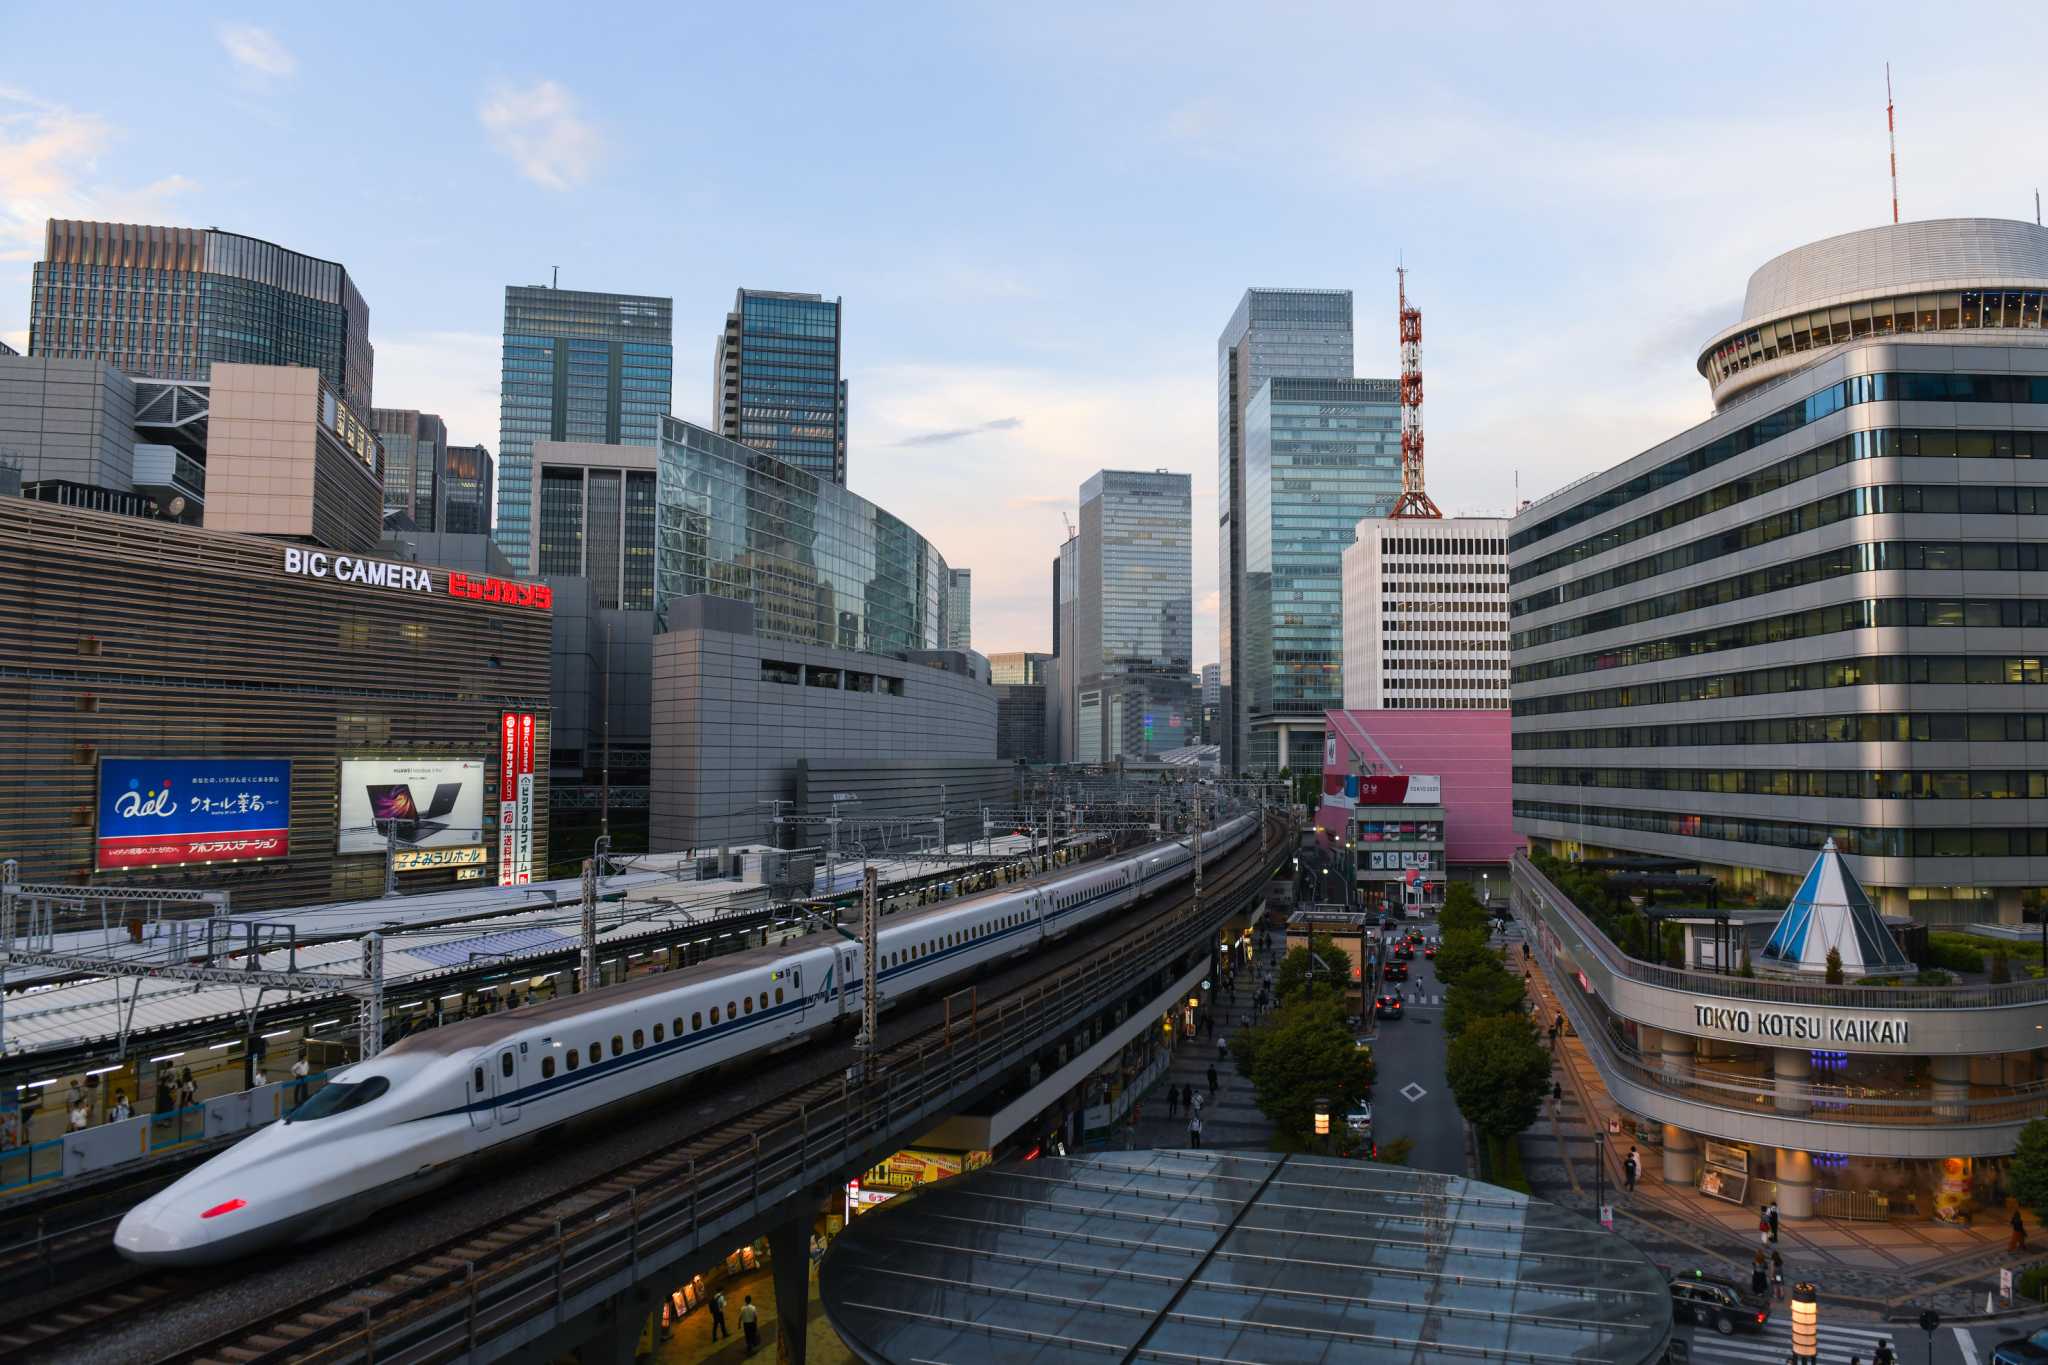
<point x="1556" y="1096"/>
<point x="2019" y="1233"/>
<point x="1759" y="1276"/>
<point x="750" y="1323"/>
<point x="718" y="1327"/>
<point x="1212" y="1085"/>
<point x="1172" y="1100"/>
<point x="1777" y="1276"/>
<point x="1631" y="1169"/>
<point x="1187" y="1098"/>
<point x="1771" y="1213"/>
<point x="1195" y="1131"/>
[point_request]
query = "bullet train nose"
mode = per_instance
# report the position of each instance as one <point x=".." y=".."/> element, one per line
<point x="199" y="1228"/>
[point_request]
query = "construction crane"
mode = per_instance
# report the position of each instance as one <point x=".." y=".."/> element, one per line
<point x="1071" y="532"/>
<point x="1413" y="502"/>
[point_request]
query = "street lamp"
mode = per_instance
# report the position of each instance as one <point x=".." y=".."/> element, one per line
<point x="1323" y="1119"/>
<point x="1805" y="1321"/>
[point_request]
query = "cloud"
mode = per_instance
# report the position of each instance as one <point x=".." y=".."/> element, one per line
<point x="936" y="438"/>
<point x="537" y="127"/>
<point x="49" y="157"/>
<point x="454" y="374"/>
<point x="256" y="51"/>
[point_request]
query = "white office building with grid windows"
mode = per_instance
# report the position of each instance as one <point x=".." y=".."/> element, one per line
<point x="1426" y="615"/>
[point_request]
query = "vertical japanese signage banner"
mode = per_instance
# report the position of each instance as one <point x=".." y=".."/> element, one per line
<point x="163" y="812"/>
<point x="508" y="799"/>
<point x="525" y="797"/>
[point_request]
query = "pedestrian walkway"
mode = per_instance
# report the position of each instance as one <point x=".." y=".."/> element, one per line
<point x="1772" y="1345"/>
<point x="1230" y="1118"/>
<point x="1883" y="1266"/>
<point x="689" y="1341"/>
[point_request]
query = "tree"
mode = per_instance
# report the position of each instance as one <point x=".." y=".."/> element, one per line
<point x="1461" y="951"/>
<point x="1745" y="969"/>
<point x="1461" y="912"/>
<point x="1834" y="966"/>
<point x="1296" y="978"/>
<point x="2027" y="1174"/>
<point x="1482" y="992"/>
<point x="1499" y="1074"/>
<point x="1304" y="1053"/>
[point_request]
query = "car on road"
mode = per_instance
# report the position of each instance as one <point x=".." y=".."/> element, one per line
<point x="1397" y="971"/>
<point x="1720" y="1304"/>
<point x="2027" y="1350"/>
<point x="1387" y="1007"/>
<point x="1430" y="952"/>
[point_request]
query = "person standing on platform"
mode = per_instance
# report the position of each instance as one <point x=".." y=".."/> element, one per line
<point x="1172" y="1100"/>
<point x="299" y="1072"/>
<point x="718" y="1327"/>
<point x="1195" y="1131"/>
<point x="750" y="1323"/>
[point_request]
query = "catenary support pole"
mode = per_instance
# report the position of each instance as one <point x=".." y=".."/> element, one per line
<point x="589" y="955"/>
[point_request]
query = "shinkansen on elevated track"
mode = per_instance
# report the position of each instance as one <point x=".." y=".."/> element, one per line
<point x="414" y="1116"/>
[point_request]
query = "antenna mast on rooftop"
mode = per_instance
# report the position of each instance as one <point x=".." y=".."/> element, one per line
<point x="1891" y="128"/>
<point x="1413" y="502"/>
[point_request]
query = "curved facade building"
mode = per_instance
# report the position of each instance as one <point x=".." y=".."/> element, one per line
<point x="818" y="564"/>
<point x="1983" y="275"/>
<point x="1820" y="614"/>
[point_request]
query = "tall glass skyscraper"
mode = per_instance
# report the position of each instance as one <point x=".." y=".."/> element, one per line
<point x="1134" y="615"/>
<point x="466" y="492"/>
<point x="415" y="452"/>
<point x="578" y="366"/>
<point x="960" y="609"/>
<point x="166" y="302"/>
<point x="776" y="375"/>
<point x="1305" y="332"/>
<point x="1319" y="455"/>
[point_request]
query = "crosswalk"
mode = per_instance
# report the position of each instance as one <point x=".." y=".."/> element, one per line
<point x="1839" y="1343"/>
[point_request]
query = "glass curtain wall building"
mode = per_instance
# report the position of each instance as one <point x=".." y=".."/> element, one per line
<point x="1273" y="332"/>
<point x="466" y="492"/>
<point x="819" y="565"/>
<point x="578" y="366"/>
<point x="415" y="455"/>
<point x="1320" y="455"/>
<point x="1819" y="614"/>
<point x="777" y="377"/>
<point x="1134" y="615"/>
<point x="166" y="302"/>
<point x="960" y="609"/>
<point x="597" y="521"/>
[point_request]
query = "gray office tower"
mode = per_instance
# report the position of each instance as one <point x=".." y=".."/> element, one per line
<point x="415" y="450"/>
<point x="1295" y="332"/>
<point x="1134" y="616"/>
<point x="466" y="491"/>
<point x="776" y="374"/>
<point x="581" y="367"/>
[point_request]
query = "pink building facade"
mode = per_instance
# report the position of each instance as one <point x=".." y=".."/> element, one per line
<point x="1469" y="751"/>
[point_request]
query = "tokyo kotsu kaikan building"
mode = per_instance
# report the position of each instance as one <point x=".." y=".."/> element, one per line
<point x="1794" y="658"/>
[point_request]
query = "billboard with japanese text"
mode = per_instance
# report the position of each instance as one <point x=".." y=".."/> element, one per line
<point x="167" y="812"/>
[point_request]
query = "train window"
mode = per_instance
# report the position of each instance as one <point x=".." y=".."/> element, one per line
<point x="505" y="1064"/>
<point x="479" y="1080"/>
<point x="732" y="1010"/>
<point x="575" y="1059"/>
<point x="764" y="1000"/>
<point x="778" y="995"/>
<point x="618" y="1046"/>
<point x="597" y="1051"/>
<point x="749" y="1003"/>
<point x="657" y="1033"/>
<point x="697" y="1020"/>
<point x="678" y="1026"/>
<point x="339" y="1096"/>
<point x="639" y="1039"/>
<point x="714" y="1016"/>
<point x="547" y="1065"/>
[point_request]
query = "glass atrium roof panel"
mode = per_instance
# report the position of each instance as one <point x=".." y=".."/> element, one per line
<point x="1236" y="1256"/>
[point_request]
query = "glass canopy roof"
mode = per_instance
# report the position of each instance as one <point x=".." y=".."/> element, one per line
<point x="1236" y="1256"/>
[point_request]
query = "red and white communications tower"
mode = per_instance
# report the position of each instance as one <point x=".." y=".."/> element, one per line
<point x="1413" y="502"/>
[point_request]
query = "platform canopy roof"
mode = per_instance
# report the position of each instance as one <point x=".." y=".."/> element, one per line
<point x="1833" y="911"/>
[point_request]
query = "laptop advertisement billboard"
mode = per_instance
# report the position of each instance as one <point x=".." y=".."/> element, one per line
<point x="427" y="802"/>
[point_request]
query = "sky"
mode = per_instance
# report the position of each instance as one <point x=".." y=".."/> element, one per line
<point x="1040" y="216"/>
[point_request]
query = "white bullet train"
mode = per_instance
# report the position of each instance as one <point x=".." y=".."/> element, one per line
<point x="406" y="1120"/>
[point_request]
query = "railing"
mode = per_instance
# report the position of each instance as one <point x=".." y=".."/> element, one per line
<point x="1862" y="1206"/>
<point x="1529" y="881"/>
<point x="1767" y="1097"/>
<point x="732" y="1177"/>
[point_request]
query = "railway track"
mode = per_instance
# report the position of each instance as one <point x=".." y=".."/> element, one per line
<point x="357" y="1315"/>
